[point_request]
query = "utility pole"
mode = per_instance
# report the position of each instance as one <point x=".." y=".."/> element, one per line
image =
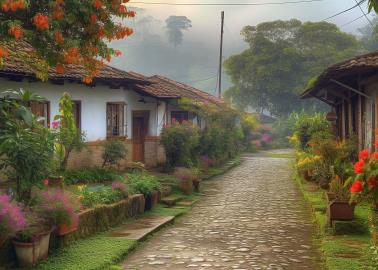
<point x="221" y="56"/>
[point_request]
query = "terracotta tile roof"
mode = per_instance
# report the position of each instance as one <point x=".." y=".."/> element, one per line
<point x="362" y="64"/>
<point x="15" y="65"/>
<point x="163" y="87"/>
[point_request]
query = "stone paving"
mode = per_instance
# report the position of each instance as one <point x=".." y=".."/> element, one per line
<point x="253" y="217"/>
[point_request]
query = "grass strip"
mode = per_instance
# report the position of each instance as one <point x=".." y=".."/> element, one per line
<point x="345" y="246"/>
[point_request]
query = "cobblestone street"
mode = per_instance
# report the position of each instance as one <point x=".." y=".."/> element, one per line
<point x="253" y="217"/>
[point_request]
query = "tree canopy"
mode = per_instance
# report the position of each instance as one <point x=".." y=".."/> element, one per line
<point x="63" y="32"/>
<point x="281" y="58"/>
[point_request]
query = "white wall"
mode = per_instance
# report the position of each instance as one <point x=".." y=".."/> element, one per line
<point x="93" y="104"/>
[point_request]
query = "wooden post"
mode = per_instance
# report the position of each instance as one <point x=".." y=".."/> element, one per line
<point x="359" y="122"/>
<point x="343" y="123"/>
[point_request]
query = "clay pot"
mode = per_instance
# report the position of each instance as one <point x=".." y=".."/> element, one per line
<point x="64" y="229"/>
<point x="27" y="253"/>
<point x="186" y="186"/>
<point x="44" y="245"/>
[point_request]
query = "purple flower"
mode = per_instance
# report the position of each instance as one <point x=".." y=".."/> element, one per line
<point x="55" y="124"/>
<point x="266" y="137"/>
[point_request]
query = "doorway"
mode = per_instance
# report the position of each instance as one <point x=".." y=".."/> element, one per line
<point x="140" y="130"/>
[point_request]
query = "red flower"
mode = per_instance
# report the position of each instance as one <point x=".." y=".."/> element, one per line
<point x="374" y="155"/>
<point x="356" y="187"/>
<point x="376" y="143"/>
<point x="364" y="154"/>
<point x="16" y="31"/>
<point x="59" y="68"/>
<point x="97" y="4"/>
<point x="59" y="37"/>
<point x="358" y="167"/>
<point x="372" y="181"/>
<point x="46" y="182"/>
<point x="93" y="18"/>
<point x="3" y="52"/>
<point x="117" y="53"/>
<point x="41" y="21"/>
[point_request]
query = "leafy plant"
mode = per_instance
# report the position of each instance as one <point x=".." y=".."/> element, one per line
<point x="180" y="142"/>
<point x="90" y="175"/>
<point x="26" y="147"/>
<point x="91" y="197"/>
<point x="143" y="184"/>
<point x="68" y="136"/>
<point x="340" y="188"/>
<point x="113" y="152"/>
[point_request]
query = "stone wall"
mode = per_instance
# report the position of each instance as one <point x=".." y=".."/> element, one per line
<point x="91" y="155"/>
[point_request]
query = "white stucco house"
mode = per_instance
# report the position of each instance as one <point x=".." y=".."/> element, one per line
<point x="118" y="105"/>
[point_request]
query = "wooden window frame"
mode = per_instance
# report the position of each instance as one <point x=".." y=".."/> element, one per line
<point x="180" y="112"/>
<point x="77" y="114"/>
<point x="48" y="111"/>
<point x="123" y="134"/>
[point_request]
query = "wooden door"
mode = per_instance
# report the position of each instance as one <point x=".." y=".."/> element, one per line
<point x="138" y="138"/>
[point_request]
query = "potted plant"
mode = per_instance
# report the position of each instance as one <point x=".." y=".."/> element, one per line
<point x="58" y="207"/>
<point x="12" y="218"/>
<point x="27" y="245"/>
<point x="187" y="179"/>
<point x="338" y="198"/>
<point x="147" y="185"/>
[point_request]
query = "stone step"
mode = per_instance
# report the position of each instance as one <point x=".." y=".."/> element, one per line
<point x="171" y="200"/>
<point x="185" y="203"/>
<point x="141" y="228"/>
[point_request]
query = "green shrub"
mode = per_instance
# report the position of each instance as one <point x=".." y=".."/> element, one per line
<point x="88" y="176"/>
<point x="180" y="142"/>
<point x="143" y="184"/>
<point x="101" y="195"/>
<point x="113" y="152"/>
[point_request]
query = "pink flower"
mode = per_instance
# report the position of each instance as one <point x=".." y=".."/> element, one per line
<point x="55" y="124"/>
<point x="12" y="218"/>
<point x="119" y="185"/>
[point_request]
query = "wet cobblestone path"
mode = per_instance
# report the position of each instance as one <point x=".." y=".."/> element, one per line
<point x="253" y="217"/>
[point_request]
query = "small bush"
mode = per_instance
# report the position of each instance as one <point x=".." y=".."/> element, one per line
<point x="89" y="176"/>
<point x="113" y="152"/>
<point x="102" y="195"/>
<point x="143" y="184"/>
<point x="180" y="142"/>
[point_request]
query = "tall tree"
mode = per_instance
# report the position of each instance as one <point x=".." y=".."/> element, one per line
<point x="175" y="26"/>
<point x="282" y="56"/>
<point x="62" y="32"/>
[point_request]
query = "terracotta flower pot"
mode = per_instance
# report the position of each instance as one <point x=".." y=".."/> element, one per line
<point x="44" y="245"/>
<point x="27" y="253"/>
<point x="186" y="186"/>
<point x="64" y="229"/>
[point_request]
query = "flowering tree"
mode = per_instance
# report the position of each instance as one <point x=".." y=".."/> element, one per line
<point x="63" y="32"/>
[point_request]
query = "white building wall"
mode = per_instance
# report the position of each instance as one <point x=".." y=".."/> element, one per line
<point x="93" y="104"/>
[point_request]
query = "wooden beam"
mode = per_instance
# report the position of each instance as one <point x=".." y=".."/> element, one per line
<point x="330" y="103"/>
<point x="343" y="122"/>
<point x="350" y="88"/>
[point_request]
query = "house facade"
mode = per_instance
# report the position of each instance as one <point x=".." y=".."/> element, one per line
<point x="350" y="88"/>
<point x="118" y="105"/>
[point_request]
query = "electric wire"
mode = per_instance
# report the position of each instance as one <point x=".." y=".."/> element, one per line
<point x="363" y="12"/>
<point x="226" y="4"/>
<point x="352" y="21"/>
<point x="346" y="10"/>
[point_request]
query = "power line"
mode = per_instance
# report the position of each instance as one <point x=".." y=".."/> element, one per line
<point x="363" y="12"/>
<point x="346" y="10"/>
<point x="226" y="4"/>
<point x="352" y="21"/>
<point x="201" y="80"/>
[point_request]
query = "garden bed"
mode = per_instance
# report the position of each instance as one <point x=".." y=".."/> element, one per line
<point x="347" y="244"/>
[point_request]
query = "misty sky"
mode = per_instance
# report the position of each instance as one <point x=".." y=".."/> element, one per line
<point x="195" y="60"/>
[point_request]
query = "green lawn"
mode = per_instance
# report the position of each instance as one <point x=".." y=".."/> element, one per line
<point x="346" y="246"/>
